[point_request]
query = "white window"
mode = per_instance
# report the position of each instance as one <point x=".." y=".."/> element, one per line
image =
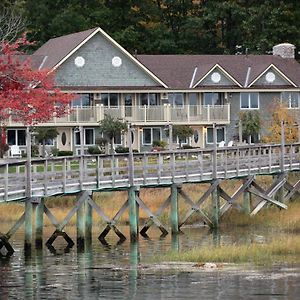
<point x="291" y="98"/>
<point x="149" y="99"/>
<point x="249" y="101"/>
<point x="213" y="98"/>
<point x="82" y="100"/>
<point x="16" y="137"/>
<point x="88" y="136"/>
<point x="220" y="135"/>
<point x="110" y="100"/>
<point x="176" y="99"/>
<point x="177" y="140"/>
<point x="150" y="135"/>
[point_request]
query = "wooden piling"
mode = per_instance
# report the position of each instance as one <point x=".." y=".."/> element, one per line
<point x="88" y="221"/>
<point x="81" y="225"/>
<point x="28" y="225"/>
<point x="39" y="224"/>
<point x="246" y="200"/>
<point x="174" y="209"/>
<point x="133" y="219"/>
<point x="215" y="197"/>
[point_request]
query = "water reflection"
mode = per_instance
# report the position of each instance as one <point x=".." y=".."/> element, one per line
<point x="121" y="271"/>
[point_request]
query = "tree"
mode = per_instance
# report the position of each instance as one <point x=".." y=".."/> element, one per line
<point x="42" y="134"/>
<point x="112" y="127"/>
<point x="182" y="132"/>
<point x="280" y="113"/>
<point x="27" y="95"/>
<point x="251" y="125"/>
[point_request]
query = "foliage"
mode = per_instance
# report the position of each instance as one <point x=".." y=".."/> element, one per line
<point x="94" y="150"/>
<point x="251" y="123"/>
<point x="111" y="127"/>
<point x="161" y="144"/>
<point x="280" y="113"/>
<point x="182" y="132"/>
<point x="34" y="150"/>
<point x="121" y="149"/>
<point x="54" y="151"/>
<point x="42" y="134"/>
<point x="65" y="153"/>
<point x="27" y="95"/>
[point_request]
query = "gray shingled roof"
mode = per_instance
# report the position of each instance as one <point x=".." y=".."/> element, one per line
<point x="177" y="70"/>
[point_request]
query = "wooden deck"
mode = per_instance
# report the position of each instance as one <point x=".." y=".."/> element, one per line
<point x="64" y="175"/>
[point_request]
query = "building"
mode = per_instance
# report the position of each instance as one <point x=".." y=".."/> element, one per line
<point x="155" y="92"/>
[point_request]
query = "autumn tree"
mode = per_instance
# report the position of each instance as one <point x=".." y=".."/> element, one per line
<point x="279" y="113"/>
<point x="27" y="95"/>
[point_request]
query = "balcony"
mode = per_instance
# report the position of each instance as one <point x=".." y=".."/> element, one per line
<point x="141" y="115"/>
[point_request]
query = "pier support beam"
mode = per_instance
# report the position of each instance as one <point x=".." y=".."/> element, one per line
<point x="88" y="221"/>
<point x="174" y="209"/>
<point x="39" y="224"/>
<point x="133" y="215"/>
<point x="81" y="225"/>
<point x="246" y="200"/>
<point x="28" y="225"/>
<point x="215" y="197"/>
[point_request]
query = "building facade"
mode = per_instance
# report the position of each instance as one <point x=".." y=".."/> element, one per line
<point x="155" y="92"/>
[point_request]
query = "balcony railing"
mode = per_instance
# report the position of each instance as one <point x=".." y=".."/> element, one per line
<point x="192" y="114"/>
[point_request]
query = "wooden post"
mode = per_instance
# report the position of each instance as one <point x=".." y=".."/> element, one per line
<point x="88" y="221"/>
<point x="215" y="140"/>
<point x="28" y="163"/>
<point x="282" y="147"/>
<point x="240" y="132"/>
<point x="215" y="208"/>
<point x="28" y="225"/>
<point x="247" y="201"/>
<point x="81" y="226"/>
<point x="39" y="224"/>
<point x="133" y="220"/>
<point x="174" y="209"/>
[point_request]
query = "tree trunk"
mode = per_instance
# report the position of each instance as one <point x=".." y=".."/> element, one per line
<point x="44" y="148"/>
<point x="112" y="150"/>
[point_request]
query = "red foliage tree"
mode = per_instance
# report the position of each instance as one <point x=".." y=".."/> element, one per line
<point x="27" y="95"/>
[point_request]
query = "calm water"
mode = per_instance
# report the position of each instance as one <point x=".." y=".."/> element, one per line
<point x="122" y="272"/>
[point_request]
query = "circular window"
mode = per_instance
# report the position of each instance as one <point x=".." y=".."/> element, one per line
<point x="63" y="138"/>
<point x="196" y="136"/>
<point x="116" y="61"/>
<point x="270" y="77"/>
<point x="215" y="77"/>
<point x="79" y="61"/>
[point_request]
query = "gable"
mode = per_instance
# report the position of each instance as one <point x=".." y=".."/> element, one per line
<point x="101" y="63"/>
<point x="271" y="77"/>
<point x="217" y="76"/>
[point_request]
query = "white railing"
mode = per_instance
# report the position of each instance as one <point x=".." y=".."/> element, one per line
<point x="199" y="114"/>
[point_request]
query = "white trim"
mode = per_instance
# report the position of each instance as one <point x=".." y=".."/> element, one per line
<point x="151" y="128"/>
<point x="277" y="70"/>
<point x="193" y="77"/>
<point x="153" y="76"/>
<point x="247" y="76"/>
<point x="223" y="71"/>
<point x="249" y="108"/>
<point x="84" y="137"/>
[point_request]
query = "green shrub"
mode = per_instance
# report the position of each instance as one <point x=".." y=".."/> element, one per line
<point x="121" y="149"/>
<point x="161" y="144"/>
<point x="54" y="151"/>
<point x="94" y="150"/>
<point x="34" y="150"/>
<point x="65" y="153"/>
<point x="187" y="147"/>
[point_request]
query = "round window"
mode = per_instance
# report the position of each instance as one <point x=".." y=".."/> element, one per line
<point x="116" y="61"/>
<point x="79" y="61"/>
<point x="63" y="138"/>
<point x="270" y="77"/>
<point x="215" y="77"/>
<point x="196" y="136"/>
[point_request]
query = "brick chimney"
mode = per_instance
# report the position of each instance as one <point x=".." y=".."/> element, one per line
<point x="284" y="50"/>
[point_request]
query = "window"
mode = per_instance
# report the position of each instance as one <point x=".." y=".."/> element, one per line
<point x="110" y="100"/>
<point x="16" y="137"/>
<point x="291" y="98"/>
<point x="213" y="98"/>
<point x="149" y="99"/>
<point x="176" y="99"/>
<point x="150" y="135"/>
<point x="210" y="135"/>
<point x="249" y="101"/>
<point x="88" y="135"/>
<point x="118" y="139"/>
<point x="177" y="140"/>
<point x="82" y="100"/>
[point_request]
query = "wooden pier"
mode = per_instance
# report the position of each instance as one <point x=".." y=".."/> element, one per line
<point x="83" y="175"/>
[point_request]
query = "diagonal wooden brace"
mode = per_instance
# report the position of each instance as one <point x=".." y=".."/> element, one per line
<point x="200" y="201"/>
<point x="152" y="216"/>
<point x="292" y="190"/>
<point x="150" y="222"/>
<point x="235" y="196"/>
<point x="194" y="207"/>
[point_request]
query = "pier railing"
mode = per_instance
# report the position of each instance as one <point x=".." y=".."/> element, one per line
<point x="58" y="175"/>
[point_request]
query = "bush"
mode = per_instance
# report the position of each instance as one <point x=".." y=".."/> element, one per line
<point x="161" y="144"/>
<point x="187" y="147"/>
<point x="121" y="149"/>
<point x="34" y="150"/>
<point x="94" y="150"/>
<point x="65" y="153"/>
<point x="54" y="151"/>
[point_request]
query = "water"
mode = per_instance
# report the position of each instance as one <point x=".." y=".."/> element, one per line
<point x="122" y="272"/>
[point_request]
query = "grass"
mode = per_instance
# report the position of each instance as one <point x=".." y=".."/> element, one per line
<point x="285" y="249"/>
